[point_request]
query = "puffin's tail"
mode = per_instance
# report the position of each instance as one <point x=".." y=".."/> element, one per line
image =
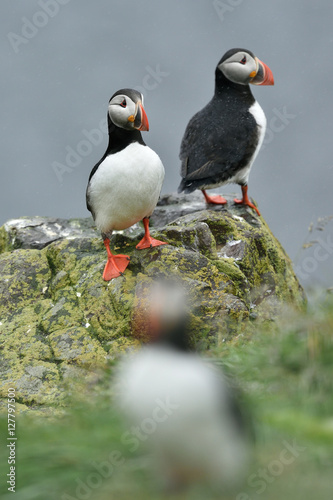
<point x="186" y="187"/>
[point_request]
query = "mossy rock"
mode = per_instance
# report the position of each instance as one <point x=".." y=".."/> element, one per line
<point x="58" y="315"/>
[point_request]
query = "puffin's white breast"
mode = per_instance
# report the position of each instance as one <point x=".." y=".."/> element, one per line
<point x="125" y="188"/>
<point x="260" y="118"/>
<point x="189" y="400"/>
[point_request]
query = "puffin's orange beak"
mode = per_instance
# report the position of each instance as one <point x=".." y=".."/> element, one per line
<point x="141" y="119"/>
<point x="263" y="76"/>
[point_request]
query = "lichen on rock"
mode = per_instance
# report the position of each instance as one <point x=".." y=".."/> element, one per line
<point x="57" y="315"/>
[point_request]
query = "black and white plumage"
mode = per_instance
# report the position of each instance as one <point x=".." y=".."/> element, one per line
<point x="180" y="405"/>
<point x="222" y="140"/>
<point x="125" y="184"/>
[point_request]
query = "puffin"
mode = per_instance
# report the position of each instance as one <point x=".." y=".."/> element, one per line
<point x="124" y="186"/>
<point x="222" y="140"/>
<point x="182" y="408"/>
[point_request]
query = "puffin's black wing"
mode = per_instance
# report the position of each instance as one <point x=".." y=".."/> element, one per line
<point x="217" y="143"/>
<point x="89" y="206"/>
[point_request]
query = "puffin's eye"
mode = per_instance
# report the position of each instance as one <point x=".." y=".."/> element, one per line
<point x="123" y="103"/>
<point x="243" y="61"/>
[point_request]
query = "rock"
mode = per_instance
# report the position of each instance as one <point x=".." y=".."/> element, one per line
<point x="58" y="316"/>
<point x="38" y="232"/>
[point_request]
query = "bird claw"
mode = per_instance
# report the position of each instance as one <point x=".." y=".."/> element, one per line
<point x="149" y="243"/>
<point x="115" y="266"/>
<point x="246" y="203"/>
<point x="214" y="199"/>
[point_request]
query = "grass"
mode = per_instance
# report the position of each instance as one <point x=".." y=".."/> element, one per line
<point x="286" y="375"/>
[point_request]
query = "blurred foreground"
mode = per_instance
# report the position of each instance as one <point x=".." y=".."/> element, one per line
<point x="286" y="376"/>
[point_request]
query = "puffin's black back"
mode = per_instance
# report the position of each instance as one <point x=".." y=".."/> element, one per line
<point x="221" y="138"/>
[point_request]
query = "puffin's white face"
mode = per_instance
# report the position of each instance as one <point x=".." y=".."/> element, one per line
<point x="127" y="114"/>
<point x="243" y="68"/>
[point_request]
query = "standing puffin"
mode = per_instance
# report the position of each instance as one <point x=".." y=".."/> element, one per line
<point x="125" y="184"/>
<point x="181" y="406"/>
<point x="222" y="140"/>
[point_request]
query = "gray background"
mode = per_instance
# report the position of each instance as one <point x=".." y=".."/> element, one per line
<point x="61" y="64"/>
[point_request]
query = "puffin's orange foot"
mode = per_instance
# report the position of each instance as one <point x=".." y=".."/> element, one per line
<point x="115" y="266"/>
<point x="149" y="242"/>
<point x="215" y="199"/>
<point x="247" y="203"/>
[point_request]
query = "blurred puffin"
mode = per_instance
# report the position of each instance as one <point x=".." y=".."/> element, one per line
<point x="181" y="407"/>
<point x="125" y="184"/>
<point x="222" y="140"/>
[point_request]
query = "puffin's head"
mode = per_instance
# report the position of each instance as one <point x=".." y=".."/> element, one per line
<point x="126" y="110"/>
<point x="243" y="67"/>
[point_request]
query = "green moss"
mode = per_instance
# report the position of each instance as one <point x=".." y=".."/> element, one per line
<point x="24" y="277"/>
<point x="4" y="240"/>
<point x="24" y="325"/>
<point x="221" y="229"/>
<point x="58" y="313"/>
<point x="35" y="381"/>
<point x="63" y="313"/>
<point x="73" y="345"/>
<point x="231" y="270"/>
<point x="60" y="256"/>
<point x="120" y="346"/>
